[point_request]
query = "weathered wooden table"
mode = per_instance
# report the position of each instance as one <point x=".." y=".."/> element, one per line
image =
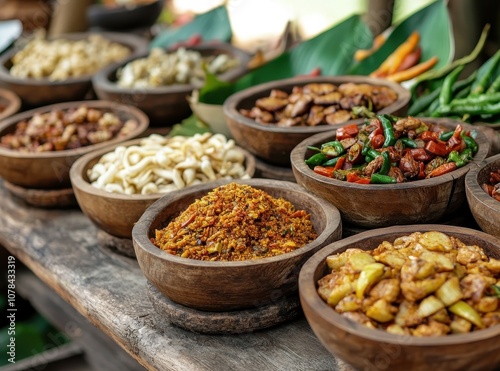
<point x="108" y="289"/>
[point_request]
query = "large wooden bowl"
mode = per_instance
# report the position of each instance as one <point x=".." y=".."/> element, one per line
<point x="272" y="143"/>
<point x="484" y="208"/>
<point x="10" y="102"/>
<point x="117" y="213"/>
<point x="40" y="92"/>
<point x="165" y="105"/>
<point x="50" y="170"/>
<point x="383" y="205"/>
<point x="369" y="349"/>
<point x="225" y="286"/>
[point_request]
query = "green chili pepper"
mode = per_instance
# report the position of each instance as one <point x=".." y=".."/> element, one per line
<point x="409" y="143"/>
<point x="331" y="162"/>
<point x="470" y="143"/>
<point x="485" y="74"/>
<point x="386" y="165"/>
<point x="391" y="118"/>
<point x="316" y="159"/>
<point x="454" y="156"/>
<point x="390" y="139"/>
<point x="382" y="179"/>
<point x="444" y="136"/>
<point x="447" y="87"/>
<point x="470" y="109"/>
<point x="366" y="147"/>
<point x="373" y="153"/>
<point x="333" y="148"/>
<point x="466" y="155"/>
<point x="478" y="99"/>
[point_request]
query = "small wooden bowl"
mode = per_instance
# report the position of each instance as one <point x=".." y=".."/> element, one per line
<point x="369" y="349"/>
<point x="165" y="105"/>
<point x="117" y="213"/>
<point x="11" y="103"/>
<point x="484" y="208"/>
<point x="274" y="144"/>
<point x="50" y="170"/>
<point x="383" y="205"/>
<point x="233" y="285"/>
<point x="39" y="92"/>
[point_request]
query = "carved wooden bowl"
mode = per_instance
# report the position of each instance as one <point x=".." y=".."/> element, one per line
<point x="50" y="170"/>
<point x="165" y="105"/>
<point x="273" y="143"/>
<point x="39" y="92"/>
<point x="229" y="285"/>
<point x="10" y="103"/>
<point x="117" y="213"/>
<point x="371" y="349"/>
<point x="484" y="208"/>
<point x="383" y="205"/>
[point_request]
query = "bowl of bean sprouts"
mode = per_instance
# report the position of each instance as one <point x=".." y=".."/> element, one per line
<point x="115" y="185"/>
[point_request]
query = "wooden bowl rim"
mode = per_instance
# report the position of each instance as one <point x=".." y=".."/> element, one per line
<point x="13" y="105"/>
<point x="298" y="164"/>
<point x="231" y="103"/>
<point x="473" y="188"/>
<point x="101" y="80"/>
<point x="140" y="232"/>
<point x="79" y="182"/>
<point x="136" y="43"/>
<point x="141" y="118"/>
<point x="321" y="309"/>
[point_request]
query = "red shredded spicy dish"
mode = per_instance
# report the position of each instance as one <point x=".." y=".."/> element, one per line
<point x="492" y="187"/>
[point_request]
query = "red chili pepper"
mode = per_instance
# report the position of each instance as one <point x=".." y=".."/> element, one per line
<point x="348" y="131"/>
<point x="459" y="147"/>
<point x="458" y="131"/>
<point x="325" y="171"/>
<point x="420" y="154"/>
<point x="437" y="148"/>
<point x="453" y="142"/>
<point x="488" y="188"/>
<point x="443" y="169"/>
<point x="377" y="141"/>
<point x="352" y="177"/>
<point x="340" y="163"/>
<point x="421" y="172"/>
<point x="429" y="135"/>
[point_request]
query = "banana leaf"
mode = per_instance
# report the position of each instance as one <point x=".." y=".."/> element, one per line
<point x="331" y="52"/>
<point x="436" y="38"/>
<point x="212" y="25"/>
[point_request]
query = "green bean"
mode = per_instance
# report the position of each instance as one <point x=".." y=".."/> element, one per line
<point x="423" y="102"/>
<point x="495" y="86"/>
<point x="447" y="87"/>
<point x="485" y="74"/>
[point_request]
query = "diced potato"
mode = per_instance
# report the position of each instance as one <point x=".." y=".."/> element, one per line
<point x="429" y="305"/>
<point x="349" y="303"/>
<point x="493" y="265"/>
<point x="369" y="276"/>
<point x="441" y="316"/>
<point x="432" y="329"/>
<point x="387" y="289"/>
<point x="450" y="291"/>
<point x="464" y="310"/>
<point x="487" y="304"/>
<point x="407" y="314"/>
<point x="339" y="292"/>
<point x="381" y="311"/>
<point x="460" y="325"/>
<point x="470" y="254"/>
<point x="396" y="330"/>
<point x="416" y="290"/>
<point x="393" y="259"/>
<point x="359" y="261"/>
<point x="441" y="262"/>
<point x="436" y="241"/>
<point x="324" y="292"/>
<point x="334" y="262"/>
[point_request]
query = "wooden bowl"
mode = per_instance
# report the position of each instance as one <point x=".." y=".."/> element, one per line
<point x="274" y="144"/>
<point x="10" y="102"/>
<point x="39" y="92"/>
<point x="117" y="213"/>
<point x="370" y="349"/>
<point x="233" y="285"/>
<point x="383" y="205"/>
<point x="165" y="105"/>
<point x="50" y="170"/>
<point x="484" y="209"/>
<point x="124" y="17"/>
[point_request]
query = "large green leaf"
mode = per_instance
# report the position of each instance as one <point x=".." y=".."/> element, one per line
<point x="436" y="38"/>
<point x="213" y="25"/>
<point x="332" y="52"/>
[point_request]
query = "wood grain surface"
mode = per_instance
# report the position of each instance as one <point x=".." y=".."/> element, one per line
<point x="60" y="247"/>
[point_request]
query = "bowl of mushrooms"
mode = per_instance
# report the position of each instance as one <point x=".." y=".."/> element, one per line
<point x="53" y="70"/>
<point x="407" y="297"/>
<point x="38" y="147"/>
<point x="272" y="118"/>
<point x="115" y="185"/>
<point x="160" y="81"/>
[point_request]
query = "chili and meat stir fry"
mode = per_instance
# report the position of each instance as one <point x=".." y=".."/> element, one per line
<point x="493" y="186"/>
<point x="388" y="150"/>
<point x="236" y="222"/>
<point x="423" y="284"/>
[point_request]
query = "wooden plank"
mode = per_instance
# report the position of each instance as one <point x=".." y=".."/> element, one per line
<point x="60" y="247"/>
